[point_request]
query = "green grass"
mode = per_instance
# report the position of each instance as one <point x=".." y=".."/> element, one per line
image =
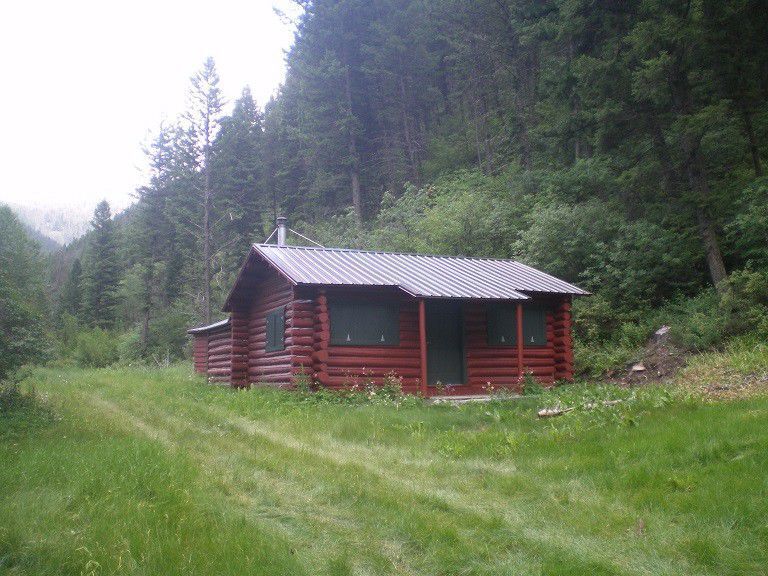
<point x="152" y="472"/>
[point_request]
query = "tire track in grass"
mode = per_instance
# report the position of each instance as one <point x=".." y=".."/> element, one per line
<point x="362" y="460"/>
<point x="130" y="421"/>
<point x="457" y="500"/>
<point x="579" y="546"/>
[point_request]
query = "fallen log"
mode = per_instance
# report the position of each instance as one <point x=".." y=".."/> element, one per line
<point x="559" y="411"/>
<point x="552" y="412"/>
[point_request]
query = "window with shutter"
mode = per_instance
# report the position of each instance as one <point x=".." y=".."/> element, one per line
<point x="275" y="330"/>
<point x="502" y="325"/>
<point x="364" y="324"/>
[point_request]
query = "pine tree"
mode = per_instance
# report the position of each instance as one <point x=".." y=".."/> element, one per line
<point x="241" y="201"/>
<point x="22" y="301"/>
<point x="72" y="292"/>
<point x="203" y="116"/>
<point x="101" y="270"/>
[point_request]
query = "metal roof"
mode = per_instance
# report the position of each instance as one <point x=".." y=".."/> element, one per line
<point x="417" y="274"/>
<point x="201" y="329"/>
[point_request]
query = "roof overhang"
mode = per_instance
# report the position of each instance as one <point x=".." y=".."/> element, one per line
<point x="209" y="327"/>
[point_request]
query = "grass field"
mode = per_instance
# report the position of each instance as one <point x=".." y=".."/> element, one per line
<point x="132" y="471"/>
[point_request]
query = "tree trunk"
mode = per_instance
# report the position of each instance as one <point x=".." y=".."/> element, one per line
<point x="698" y="182"/>
<point x="754" y="149"/>
<point x="207" y="227"/>
<point x="415" y="170"/>
<point x="663" y="154"/>
<point x="712" y="249"/>
<point x="149" y="277"/>
<point x="478" y="147"/>
<point x="354" y="168"/>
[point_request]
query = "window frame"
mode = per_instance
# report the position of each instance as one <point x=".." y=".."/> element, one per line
<point x="392" y="308"/>
<point x="274" y="341"/>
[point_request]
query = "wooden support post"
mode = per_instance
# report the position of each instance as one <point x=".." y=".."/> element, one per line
<point x="520" y="368"/>
<point x="423" y="346"/>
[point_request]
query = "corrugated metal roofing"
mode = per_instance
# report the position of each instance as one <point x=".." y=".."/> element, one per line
<point x="417" y="274"/>
<point x="201" y="329"/>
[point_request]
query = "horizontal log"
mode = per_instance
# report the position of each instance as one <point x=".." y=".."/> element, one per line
<point x="218" y="371"/>
<point x="389" y="363"/>
<point x="374" y="351"/>
<point x="341" y="382"/>
<point x="373" y="371"/>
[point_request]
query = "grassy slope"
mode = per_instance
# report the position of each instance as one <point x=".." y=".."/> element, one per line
<point x="151" y="472"/>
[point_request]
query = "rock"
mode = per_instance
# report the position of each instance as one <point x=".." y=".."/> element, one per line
<point x="661" y="333"/>
<point x="638" y="367"/>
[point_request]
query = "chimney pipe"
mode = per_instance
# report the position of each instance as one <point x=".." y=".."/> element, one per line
<point x="282" y="230"/>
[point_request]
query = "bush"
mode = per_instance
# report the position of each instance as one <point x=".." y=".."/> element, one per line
<point x="96" y="348"/>
<point x="12" y="398"/>
<point x="745" y="303"/>
<point x="593" y="359"/>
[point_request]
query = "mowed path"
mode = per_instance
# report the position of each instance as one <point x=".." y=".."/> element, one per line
<point x="379" y="489"/>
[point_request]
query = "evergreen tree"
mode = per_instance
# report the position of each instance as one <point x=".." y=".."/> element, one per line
<point x="101" y="270"/>
<point x="72" y="292"/>
<point x="241" y="201"/>
<point x="203" y="117"/>
<point x="22" y="299"/>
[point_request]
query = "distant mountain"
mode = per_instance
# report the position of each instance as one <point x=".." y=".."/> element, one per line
<point x="47" y="245"/>
<point x="60" y="224"/>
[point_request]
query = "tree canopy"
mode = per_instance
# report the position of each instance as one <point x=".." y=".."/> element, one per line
<point x="618" y="145"/>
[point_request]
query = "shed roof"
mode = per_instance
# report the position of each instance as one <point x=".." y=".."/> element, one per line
<point x="417" y="274"/>
<point x="209" y="327"/>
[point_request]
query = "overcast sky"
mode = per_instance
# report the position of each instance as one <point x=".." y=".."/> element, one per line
<point x="86" y="83"/>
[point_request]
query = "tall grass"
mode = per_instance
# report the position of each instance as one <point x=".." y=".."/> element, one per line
<point x="153" y="472"/>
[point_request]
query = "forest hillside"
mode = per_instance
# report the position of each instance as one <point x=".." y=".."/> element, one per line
<point x="618" y="145"/>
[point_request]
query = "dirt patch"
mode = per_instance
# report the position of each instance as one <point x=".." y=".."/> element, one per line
<point x="658" y="361"/>
<point x="734" y="385"/>
<point x="710" y="376"/>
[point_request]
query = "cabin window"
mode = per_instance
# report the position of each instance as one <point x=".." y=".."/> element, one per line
<point x="502" y="325"/>
<point x="276" y="329"/>
<point x="364" y="324"/>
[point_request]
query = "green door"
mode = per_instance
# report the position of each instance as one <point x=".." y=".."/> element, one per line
<point x="445" y="342"/>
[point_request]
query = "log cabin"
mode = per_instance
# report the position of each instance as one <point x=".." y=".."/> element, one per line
<point x="342" y="318"/>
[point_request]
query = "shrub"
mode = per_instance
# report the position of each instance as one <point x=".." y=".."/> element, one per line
<point x="530" y="386"/>
<point x="745" y="303"/>
<point x="12" y="398"/>
<point x="96" y="348"/>
<point x="129" y="347"/>
<point x="593" y="359"/>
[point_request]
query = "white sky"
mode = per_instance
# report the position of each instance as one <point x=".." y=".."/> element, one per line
<point x="87" y="82"/>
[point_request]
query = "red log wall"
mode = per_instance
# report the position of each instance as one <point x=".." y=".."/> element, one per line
<point x="273" y="368"/>
<point x="219" y="349"/>
<point x="200" y="352"/>
<point x="497" y="366"/>
<point x="342" y="366"/>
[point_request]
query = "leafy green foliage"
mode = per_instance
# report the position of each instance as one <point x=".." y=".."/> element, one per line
<point x="22" y="299"/>
<point x="619" y="147"/>
<point x="102" y="270"/>
<point x="96" y="348"/>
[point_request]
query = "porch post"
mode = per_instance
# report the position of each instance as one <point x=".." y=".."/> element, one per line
<point x="423" y="346"/>
<point x="520" y="371"/>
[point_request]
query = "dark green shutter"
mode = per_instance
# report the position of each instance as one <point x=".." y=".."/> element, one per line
<point x="502" y="325"/>
<point x="275" y="329"/>
<point x="534" y="326"/>
<point x="364" y="324"/>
